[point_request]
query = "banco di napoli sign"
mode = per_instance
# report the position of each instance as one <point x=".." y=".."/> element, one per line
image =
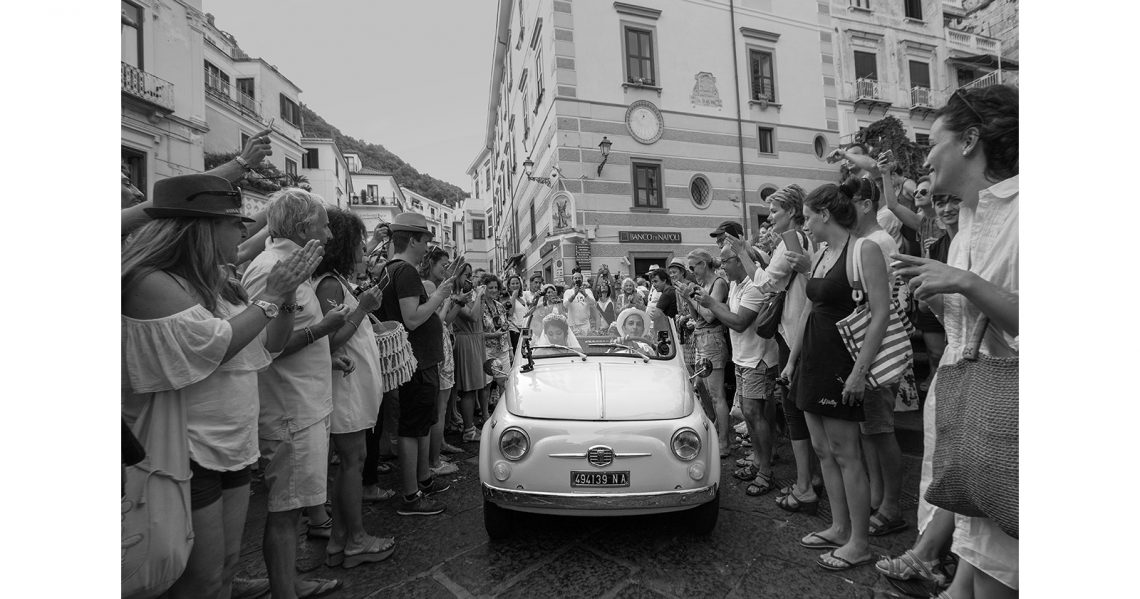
<point x="649" y="236"/>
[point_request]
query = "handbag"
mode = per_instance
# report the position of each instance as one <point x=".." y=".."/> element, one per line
<point x="976" y="443"/>
<point x="772" y="310"/>
<point x="895" y="353"/>
<point x="157" y="530"/>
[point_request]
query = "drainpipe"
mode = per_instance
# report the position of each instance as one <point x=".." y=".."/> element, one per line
<point x="739" y="125"/>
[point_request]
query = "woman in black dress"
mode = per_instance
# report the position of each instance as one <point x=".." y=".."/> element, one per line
<point x="828" y="384"/>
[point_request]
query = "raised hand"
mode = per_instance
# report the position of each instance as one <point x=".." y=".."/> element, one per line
<point x="334" y="319"/>
<point x="737" y="244"/>
<point x="257" y="148"/>
<point x="287" y="274"/>
<point x="928" y="277"/>
<point x="800" y="263"/>
<point x="370" y="300"/>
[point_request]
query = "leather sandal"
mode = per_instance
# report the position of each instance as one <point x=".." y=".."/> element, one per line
<point x="789" y="502"/>
<point x="759" y="485"/>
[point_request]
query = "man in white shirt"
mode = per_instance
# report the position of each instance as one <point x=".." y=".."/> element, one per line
<point x="296" y="394"/>
<point x="757" y="362"/>
<point x="577" y="301"/>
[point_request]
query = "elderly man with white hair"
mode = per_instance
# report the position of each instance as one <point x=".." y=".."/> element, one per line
<point x="296" y="394"/>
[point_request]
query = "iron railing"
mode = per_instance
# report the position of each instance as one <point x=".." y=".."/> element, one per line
<point x="867" y="88"/>
<point x="986" y="80"/>
<point x="921" y="96"/>
<point x="144" y="86"/>
<point x="244" y="103"/>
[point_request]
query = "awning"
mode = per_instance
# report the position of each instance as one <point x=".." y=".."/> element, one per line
<point x="986" y="60"/>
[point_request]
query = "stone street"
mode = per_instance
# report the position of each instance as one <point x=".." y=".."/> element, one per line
<point x="753" y="552"/>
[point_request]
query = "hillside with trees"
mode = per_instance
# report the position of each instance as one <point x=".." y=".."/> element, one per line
<point x="377" y="157"/>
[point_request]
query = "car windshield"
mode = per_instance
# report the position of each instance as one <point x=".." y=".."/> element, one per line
<point x="582" y="327"/>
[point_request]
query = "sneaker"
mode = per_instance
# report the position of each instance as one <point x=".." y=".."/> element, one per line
<point x="471" y="435"/>
<point x="420" y="506"/>
<point x="741" y="428"/>
<point x="444" y="468"/>
<point x="434" y="485"/>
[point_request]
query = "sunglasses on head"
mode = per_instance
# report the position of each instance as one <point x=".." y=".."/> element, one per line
<point x="962" y="96"/>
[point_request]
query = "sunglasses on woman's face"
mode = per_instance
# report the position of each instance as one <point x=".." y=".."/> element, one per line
<point x="922" y="193"/>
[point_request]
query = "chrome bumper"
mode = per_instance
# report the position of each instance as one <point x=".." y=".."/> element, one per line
<point x="608" y="501"/>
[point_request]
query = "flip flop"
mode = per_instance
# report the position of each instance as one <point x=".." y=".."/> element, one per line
<point x="822" y="543"/>
<point x="881" y="526"/>
<point x="846" y="565"/>
<point x="322" y="587"/>
<point x="377" y="550"/>
<point x="747" y="471"/>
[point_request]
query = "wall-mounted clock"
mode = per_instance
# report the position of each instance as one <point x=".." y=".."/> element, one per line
<point x="644" y="121"/>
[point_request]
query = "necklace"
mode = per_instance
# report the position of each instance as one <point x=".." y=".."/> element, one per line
<point x="829" y="258"/>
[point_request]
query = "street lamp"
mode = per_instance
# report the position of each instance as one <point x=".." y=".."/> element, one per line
<point x="605" y="147"/>
<point x="528" y="169"/>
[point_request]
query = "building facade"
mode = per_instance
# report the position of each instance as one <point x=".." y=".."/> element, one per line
<point x="705" y="104"/>
<point x="376" y="198"/>
<point x="327" y="171"/>
<point x="245" y="95"/>
<point x="440" y="217"/>
<point x="163" y="109"/>
<point x="904" y="57"/>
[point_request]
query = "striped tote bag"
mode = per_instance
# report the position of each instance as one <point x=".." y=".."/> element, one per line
<point x="895" y="353"/>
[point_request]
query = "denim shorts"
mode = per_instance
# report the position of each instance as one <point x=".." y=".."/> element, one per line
<point x="711" y="344"/>
<point x="879" y="410"/>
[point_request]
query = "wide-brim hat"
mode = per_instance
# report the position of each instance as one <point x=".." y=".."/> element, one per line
<point x="679" y="263"/>
<point x="729" y="226"/>
<point x="413" y="222"/>
<point x="200" y="195"/>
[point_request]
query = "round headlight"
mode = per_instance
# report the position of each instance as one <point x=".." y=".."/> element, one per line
<point x="514" y="444"/>
<point x="686" y="444"/>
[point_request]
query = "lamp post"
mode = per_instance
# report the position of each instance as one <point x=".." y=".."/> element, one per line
<point x="528" y="169"/>
<point x="605" y="148"/>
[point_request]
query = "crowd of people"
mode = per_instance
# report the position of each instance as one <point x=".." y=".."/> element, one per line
<point x="264" y="330"/>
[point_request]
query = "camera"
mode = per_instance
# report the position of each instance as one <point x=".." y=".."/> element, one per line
<point x="467" y="287"/>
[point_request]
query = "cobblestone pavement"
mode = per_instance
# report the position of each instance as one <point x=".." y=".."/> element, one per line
<point x="753" y="552"/>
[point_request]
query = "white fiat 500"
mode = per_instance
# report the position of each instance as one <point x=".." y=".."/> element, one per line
<point x="598" y="420"/>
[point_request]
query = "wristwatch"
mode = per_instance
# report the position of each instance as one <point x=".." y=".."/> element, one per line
<point x="271" y="310"/>
<point x="244" y="163"/>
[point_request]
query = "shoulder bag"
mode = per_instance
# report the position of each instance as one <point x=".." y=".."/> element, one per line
<point x="895" y="353"/>
<point x="157" y="530"/>
<point x="976" y="443"/>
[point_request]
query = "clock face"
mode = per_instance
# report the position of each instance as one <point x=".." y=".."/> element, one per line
<point x="644" y="122"/>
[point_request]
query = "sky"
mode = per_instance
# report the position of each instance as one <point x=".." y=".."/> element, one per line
<point x="411" y="75"/>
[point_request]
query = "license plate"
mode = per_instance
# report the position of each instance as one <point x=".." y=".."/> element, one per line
<point x="580" y="478"/>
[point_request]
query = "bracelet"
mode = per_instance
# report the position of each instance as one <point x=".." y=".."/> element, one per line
<point x="355" y="325"/>
<point x="244" y="164"/>
<point x="309" y="338"/>
<point x="291" y="308"/>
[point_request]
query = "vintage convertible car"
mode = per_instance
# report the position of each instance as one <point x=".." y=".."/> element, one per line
<point x="598" y="420"/>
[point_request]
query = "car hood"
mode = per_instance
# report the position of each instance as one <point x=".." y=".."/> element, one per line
<point x="598" y="390"/>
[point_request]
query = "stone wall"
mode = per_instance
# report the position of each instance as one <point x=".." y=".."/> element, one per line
<point x="993" y="18"/>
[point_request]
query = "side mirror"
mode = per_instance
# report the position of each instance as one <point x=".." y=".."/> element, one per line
<point x="704" y="370"/>
<point x="492" y="368"/>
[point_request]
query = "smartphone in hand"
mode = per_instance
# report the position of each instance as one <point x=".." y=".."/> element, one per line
<point x="792" y="241"/>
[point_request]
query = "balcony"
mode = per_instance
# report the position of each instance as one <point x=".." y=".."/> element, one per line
<point x="868" y="93"/>
<point x="922" y="101"/>
<point x="994" y="78"/>
<point x="154" y="91"/>
<point x="971" y="43"/>
<point x="221" y="90"/>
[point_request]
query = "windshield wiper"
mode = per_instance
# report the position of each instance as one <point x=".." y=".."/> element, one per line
<point x="635" y="350"/>
<point x="562" y="347"/>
